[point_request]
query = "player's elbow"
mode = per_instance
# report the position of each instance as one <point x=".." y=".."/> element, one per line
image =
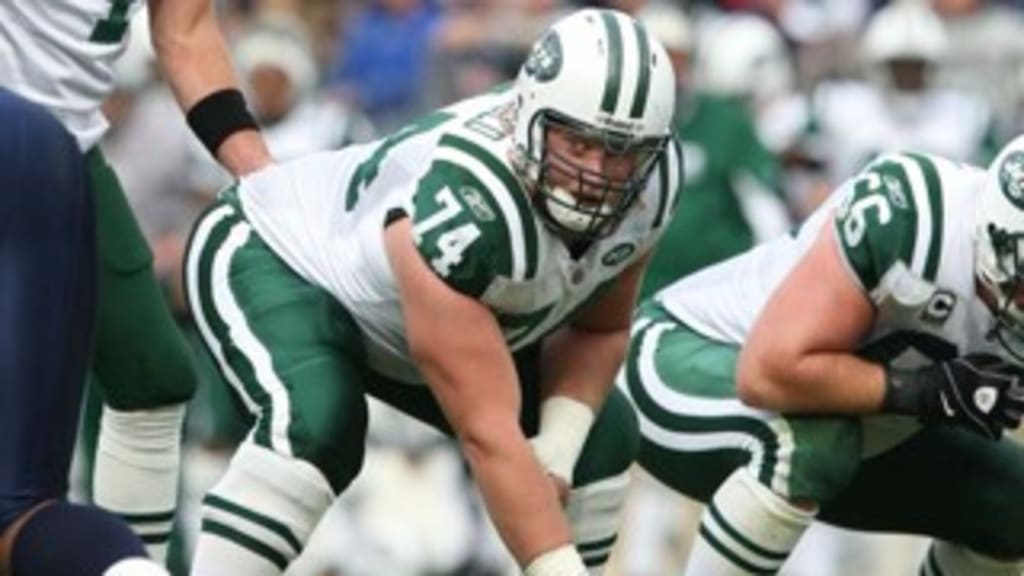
<point x="757" y="383"/>
<point x="481" y="440"/>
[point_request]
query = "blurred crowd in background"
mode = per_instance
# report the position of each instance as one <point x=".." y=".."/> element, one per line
<point x="778" y="102"/>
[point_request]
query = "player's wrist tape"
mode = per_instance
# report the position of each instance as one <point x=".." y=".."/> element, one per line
<point x="908" y="392"/>
<point x="219" y="115"/>
<point x="564" y="426"/>
<point x="562" y="561"/>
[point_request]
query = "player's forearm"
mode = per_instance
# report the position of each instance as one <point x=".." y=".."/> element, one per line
<point x="819" y="383"/>
<point x="192" y="56"/>
<point x="195" y="61"/>
<point x="477" y="387"/>
<point x="519" y="497"/>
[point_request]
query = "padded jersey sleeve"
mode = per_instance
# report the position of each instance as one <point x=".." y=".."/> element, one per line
<point x="471" y="222"/>
<point x="892" y="214"/>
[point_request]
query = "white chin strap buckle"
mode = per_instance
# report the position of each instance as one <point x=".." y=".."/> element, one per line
<point x="560" y="204"/>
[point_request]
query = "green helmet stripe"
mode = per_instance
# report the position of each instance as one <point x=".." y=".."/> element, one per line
<point x="643" y="84"/>
<point x="613" y="77"/>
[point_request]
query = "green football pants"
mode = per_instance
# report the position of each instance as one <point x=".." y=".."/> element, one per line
<point x="141" y="359"/>
<point x="942" y="482"/>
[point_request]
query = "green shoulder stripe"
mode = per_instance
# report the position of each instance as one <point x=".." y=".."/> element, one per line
<point x="612" y="82"/>
<point x="500" y="185"/>
<point x="934" y="221"/>
<point x="878" y="222"/>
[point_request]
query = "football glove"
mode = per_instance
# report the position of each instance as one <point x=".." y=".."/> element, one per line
<point x="980" y="392"/>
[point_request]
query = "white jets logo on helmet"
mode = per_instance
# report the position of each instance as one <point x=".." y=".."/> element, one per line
<point x="1011" y="178"/>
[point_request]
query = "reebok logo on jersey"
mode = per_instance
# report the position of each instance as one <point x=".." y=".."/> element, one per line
<point x="985" y="398"/>
<point x="894" y="189"/>
<point x="1011" y="178"/>
<point x="475" y="200"/>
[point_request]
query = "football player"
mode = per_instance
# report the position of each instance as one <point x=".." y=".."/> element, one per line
<point x="47" y="322"/>
<point x="477" y="271"/>
<point x="899" y="105"/>
<point x="60" y="55"/>
<point x="861" y="371"/>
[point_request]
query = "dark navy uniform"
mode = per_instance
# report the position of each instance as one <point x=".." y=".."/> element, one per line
<point x="47" y="302"/>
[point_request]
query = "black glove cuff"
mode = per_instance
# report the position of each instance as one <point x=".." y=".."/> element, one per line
<point x="908" y="392"/>
<point x="219" y="115"/>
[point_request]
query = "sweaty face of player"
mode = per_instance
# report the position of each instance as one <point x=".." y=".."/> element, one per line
<point x="588" y="181"/>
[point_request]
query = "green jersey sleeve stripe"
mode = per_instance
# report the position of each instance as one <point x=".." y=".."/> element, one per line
<point x="933" y="185"/>
<point x="643" y="84"/>
<point x="612" y="81"/>
<point x="924" y="231"/>
<point x="504" y="187"/>
<point x="901" y="174"/>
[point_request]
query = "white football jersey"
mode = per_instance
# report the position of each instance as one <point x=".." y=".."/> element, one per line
<point x="60" y="55"/>
<point x="450" y="173"/>
<point x="905" y="230"/>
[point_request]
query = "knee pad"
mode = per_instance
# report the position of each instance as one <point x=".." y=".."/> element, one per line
<point x="612" y="444"/>
<point x="594" y="512"/>
<point x="337" y="451"/>
<point x="946" y="559"/>
<point x="142" y="360"/>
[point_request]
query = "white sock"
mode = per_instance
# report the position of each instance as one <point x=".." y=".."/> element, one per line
<point x="135" y="567"/>
<point x="594" y="512"/>
<point x="746" y="529"/>
<point x="136" y="474"/>
<point x="946" y="559"/>
<point x="258" y="518"/>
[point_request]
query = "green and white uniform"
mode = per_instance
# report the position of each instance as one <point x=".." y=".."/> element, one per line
<point x="905" y="229"/>
<point x="291" y="286"/>
<point x="473" y="223"/>
<point x="61" y="55"/>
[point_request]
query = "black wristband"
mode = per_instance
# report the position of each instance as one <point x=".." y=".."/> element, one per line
<point x="219" y="115"/>
<point x="908" y="391"/>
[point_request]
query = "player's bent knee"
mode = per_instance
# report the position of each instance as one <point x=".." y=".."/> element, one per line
<point x="613" y="442"/>
<point x="338" y="458"/>
<point x="824" y="466"/>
